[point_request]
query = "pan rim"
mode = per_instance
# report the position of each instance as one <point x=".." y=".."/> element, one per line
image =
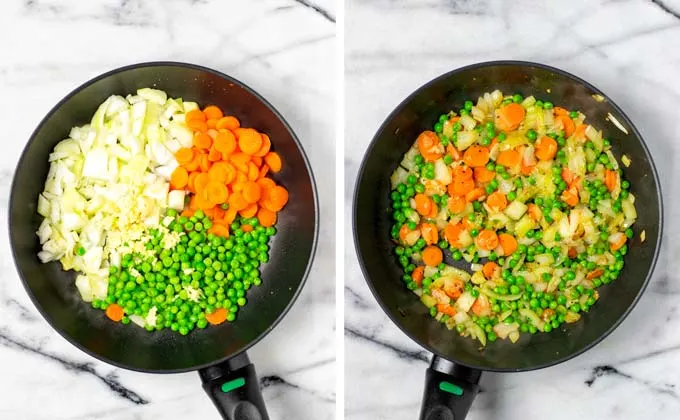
<point x="279" y="116"/>
<point x="408" y="99"/>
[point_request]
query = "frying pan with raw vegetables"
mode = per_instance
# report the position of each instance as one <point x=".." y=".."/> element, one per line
<point x="451" y="380"/>
<point x="218" y="352"/>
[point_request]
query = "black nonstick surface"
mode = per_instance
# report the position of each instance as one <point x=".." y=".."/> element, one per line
<point x="373" y="221"/>
<point x="53" y="291"/>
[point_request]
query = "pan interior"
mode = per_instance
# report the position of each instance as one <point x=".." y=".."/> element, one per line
<point x="373" y="221"/>
<point x="53" y="290"/>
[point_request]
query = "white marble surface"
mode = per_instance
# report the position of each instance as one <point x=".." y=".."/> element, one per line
<point x="627" y="49"/>
<point x="281" y="48"/>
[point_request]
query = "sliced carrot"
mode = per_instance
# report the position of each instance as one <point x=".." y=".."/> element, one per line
<point x="219" y="172"/>
<point x="274" y="161"/>
<point x="487" y="240"/>
<point x="483" y="175"/>
<point x="266" y="218"/>
<point x="595" y="274"/>
<point x="249" y="141"/>
<point x="462" y="172"/>
<point x="489" y="269"/>
<point x="568" y="124"/>
<point x="423" y="204"/>
<point x="194" y="115"/>
<point x="567" y="175"/>
<point x="616" y="245"/>
<point x="610" y="179"/>
<point x="497" y="201"/>
<point x="476" y="156"/>
<point x="454" y="288"/>
<point x="203" y="201"/>
<point x="217" y="317"/>
<point x="205" y="162"/>
<point x="266" y="145"/>
<point x="570" y="196"/>
<point x="278" y="196"/>
<point x="251" y="192"/>
<point x="115" y="312"/>
<point x="249" y="211"/>
<point x="190" y="183"/>
<point x="197" y="125"/>
<point x="509" y="158"/>
<point x="453" y="152"/>
<point x="202" y="141"/>
<point x="266" y="183"/>
<point x="253" y="172"/>
<point x="194" y="164"/>
<point x="558" y="110"/>
<point x="184" y="155"/>
<point x="446" y="309"/>
<point x="534" y="212"/>
<point x="219" y="229"/>
<point x="179" y="178"/>
<point x="429" y="146"/>
<point x="240" y="161"/>
<point x="201" y="181"/>
<point x="418" y="274"/>
<point x="212" y="112"/>
<point x="433" y="213"/>
<point x="580" y="132"/>
<point x="228" y="122"/>
<point x="230" y="215"/>
<point x="526" y="170"/>
<point x="429" y="233"/>
<point x="263" y="171"/>
<point x="225" y="142"/>
<point x="213" y="133"/>
<point x="257" y="160"/>
<point x="475" y="195"/>
<point x="212" y="124"/>
<point x="461" y="186"/>
<point x="217" y="192"/>
<point x="231" y="172"/>
<point x="432" y="255"/>
<point x="247" y="228"/>
<point x="456" y="204"/>
<point x="237" y="202"/>
<point x="187" y="213"/>
<point x="214" y="155"/>
<point x="508" y="243"/>
<point x="546" y="148"/>
<point x="509" y="117"/>
<point x="452" y="234"/>
<point x="481" y="307"/>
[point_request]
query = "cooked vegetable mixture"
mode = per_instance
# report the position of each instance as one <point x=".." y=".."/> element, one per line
<point x="164" y="210"/>
<point x="526" y="192"/>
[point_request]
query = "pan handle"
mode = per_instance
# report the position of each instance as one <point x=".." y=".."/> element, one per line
<point x="234" y="389"/>
<point x="449" y="390"/>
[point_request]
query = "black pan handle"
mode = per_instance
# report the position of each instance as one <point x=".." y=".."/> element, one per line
<point x="449" y="390"/>
<point x="234" y="389"/>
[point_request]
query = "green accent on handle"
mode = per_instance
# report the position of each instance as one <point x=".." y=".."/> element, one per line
<point x="451" y="388"/>
<point x="232" y="385"/>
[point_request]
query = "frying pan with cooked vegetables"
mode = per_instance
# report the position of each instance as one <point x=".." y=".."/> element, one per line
<point x="523" y="246"/>
<point x="218" y="352"/>
<point x="527" y="192"/>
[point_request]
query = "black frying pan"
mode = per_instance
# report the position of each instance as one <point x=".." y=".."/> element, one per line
<point x="458" y="362"/>
<point x="218" y="353"/>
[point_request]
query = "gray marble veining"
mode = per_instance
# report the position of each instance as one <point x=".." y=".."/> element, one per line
<point x="623" y="47"/>
<point x="284" y="49"/>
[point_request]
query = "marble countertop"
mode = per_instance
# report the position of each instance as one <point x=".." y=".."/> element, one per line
<point x="623" y="47"/>
<point x="284" y="49"/>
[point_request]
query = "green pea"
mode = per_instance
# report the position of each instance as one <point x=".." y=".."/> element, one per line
<point x="531" y="134"/>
